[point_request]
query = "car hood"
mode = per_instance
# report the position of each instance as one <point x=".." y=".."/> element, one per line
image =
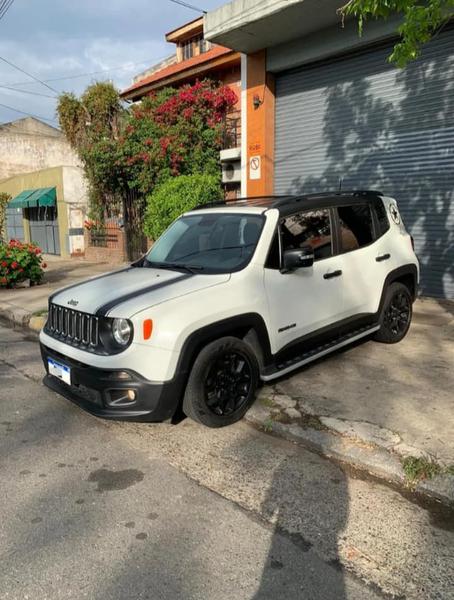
<point x="129" y="290"/>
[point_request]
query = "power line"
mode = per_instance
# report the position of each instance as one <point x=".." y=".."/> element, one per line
<point x="190" y="6"/>
<point x="17" y="90"/>
<point x="28" y="74"/>
<point x="118" y="68"/>
<point x="4" y="7"/>
<point x="28" y="114"/>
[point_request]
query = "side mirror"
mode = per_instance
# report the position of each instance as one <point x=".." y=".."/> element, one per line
<point x="298" y="259"/>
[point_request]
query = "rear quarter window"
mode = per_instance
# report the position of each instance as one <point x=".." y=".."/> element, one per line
<point x="382" y="218"/>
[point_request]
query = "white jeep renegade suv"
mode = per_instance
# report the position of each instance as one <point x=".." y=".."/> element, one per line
<point x="231" y="295"/>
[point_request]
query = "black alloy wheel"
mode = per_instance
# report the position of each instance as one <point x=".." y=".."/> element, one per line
<point x="222" y="382"/>
<point x="228" y="384"/>
<point x="397" y="314"/>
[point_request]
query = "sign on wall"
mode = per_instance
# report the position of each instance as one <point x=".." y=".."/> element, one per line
<point x="255" y="167"/>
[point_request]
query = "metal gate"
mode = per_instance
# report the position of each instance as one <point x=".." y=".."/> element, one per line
<point x="44" y="228"/>
<point x="359" y="121"/>
<point x="14" y="224"/>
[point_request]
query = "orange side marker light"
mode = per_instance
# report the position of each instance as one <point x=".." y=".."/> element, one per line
<point x="147" y="329"/>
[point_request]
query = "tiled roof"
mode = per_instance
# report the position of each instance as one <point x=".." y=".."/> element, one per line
<point x="180" y="67"/>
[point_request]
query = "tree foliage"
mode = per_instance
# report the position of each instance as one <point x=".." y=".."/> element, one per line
<point x="177" y="195"/>
<point x="421" y="20"/>
<point x="171" y="132"/>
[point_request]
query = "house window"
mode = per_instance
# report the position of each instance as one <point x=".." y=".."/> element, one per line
<point x="188" y="49"/>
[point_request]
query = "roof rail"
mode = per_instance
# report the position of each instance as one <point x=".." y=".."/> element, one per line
<point x="282" y="200"/>
<point x="246" y="201"/>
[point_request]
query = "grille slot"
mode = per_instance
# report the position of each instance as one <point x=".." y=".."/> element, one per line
<point x="77" y="328"/>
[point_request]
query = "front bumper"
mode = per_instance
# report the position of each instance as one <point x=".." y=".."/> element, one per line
<point x="102" y="392"/>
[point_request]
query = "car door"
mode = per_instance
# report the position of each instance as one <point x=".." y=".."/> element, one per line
<point x="309" y="298"/>
<point x="363" y="258"/>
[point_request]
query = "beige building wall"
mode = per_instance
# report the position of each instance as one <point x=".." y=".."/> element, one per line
<point x="30" y="145"/>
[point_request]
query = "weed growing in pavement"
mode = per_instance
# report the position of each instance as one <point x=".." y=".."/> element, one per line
<point x="416" y="469"/>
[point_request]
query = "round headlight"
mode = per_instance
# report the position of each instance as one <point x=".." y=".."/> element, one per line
<point x="121" y="331"/>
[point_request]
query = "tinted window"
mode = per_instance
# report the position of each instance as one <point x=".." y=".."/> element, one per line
<point x="310" y="228"/>
<point x="356" y="229"/>
<point x="210" y="242"/>
<point x="382" y="217"/>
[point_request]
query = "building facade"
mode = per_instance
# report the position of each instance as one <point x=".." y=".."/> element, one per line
<point x="48" y="207"/>
<point x="196" y="58"/>
<point x="44" y="177"/>
<point x="322" y="108"/>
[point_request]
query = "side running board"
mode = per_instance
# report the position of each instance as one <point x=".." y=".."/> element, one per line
<point x="283" y="368"/>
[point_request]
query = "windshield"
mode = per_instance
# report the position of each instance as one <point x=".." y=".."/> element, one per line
<point x="212" y="243"/>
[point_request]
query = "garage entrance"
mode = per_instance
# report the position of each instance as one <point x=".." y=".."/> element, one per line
<point x="358" y="122"/>
<point x="14" y="224"/>
<point x="44" y="228"/>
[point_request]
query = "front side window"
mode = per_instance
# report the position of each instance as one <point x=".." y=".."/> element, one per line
<point x="356" y="228"/>
<point x="309" y="228"/>
<point x="207" y="243"/>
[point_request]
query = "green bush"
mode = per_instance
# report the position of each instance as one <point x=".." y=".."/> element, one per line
<point x="20" y="261"/>
<point x="176" y="196"/>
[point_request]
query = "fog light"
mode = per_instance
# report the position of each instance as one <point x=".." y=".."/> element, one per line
<point x="131" y="395"/>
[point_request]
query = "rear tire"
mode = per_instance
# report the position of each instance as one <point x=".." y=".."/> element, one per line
<point x="396" y="314"/>
<point x="222" y="383"/>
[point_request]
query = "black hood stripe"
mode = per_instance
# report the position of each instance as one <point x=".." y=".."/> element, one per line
<point x="103" y="310"/>
<point x="78" y="283"/>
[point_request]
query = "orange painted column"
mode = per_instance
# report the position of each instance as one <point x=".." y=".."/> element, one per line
<point x="260" y="105"/>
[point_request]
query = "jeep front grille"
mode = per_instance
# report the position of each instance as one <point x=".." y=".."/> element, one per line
<point x="73" y="327"/>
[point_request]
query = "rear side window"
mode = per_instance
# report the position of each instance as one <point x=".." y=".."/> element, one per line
<point x="382" y="218"/>
<point x="356" y="226"/>
<point x="310" y="228"/>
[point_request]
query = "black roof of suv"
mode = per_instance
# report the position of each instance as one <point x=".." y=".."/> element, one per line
<point x="288" y="204"/>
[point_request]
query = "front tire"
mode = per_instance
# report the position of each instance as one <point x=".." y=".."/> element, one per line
<point x="222" y="383"/>
<point x="396" y="314"/>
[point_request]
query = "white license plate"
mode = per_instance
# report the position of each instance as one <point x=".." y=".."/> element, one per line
<point x="58" y="370"/>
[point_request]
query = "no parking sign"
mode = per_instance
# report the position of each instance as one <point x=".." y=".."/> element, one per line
<point x="255" y="167"/>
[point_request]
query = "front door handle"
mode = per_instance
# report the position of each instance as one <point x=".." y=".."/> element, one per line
<point x="332" y="274"/>
<point x="383" y="257"/>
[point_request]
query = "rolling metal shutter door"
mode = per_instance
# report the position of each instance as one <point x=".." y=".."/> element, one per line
<point x="376" y="127"/>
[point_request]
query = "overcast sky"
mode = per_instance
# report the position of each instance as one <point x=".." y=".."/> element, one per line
<point x="65" y="38"/>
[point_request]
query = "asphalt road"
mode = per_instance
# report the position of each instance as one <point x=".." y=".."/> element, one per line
<point x="102" y="510"/>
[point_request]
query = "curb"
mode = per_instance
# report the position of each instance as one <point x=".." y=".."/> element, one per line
<point x="18" y="317"/>
<point x="358" y="453"/>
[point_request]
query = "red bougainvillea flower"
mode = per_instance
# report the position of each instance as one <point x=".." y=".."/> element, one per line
<point x="14" y="265"/>
<point x="38" y="251"/>
<point x="4" y="263"/>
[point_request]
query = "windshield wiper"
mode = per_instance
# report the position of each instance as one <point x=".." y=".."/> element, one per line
<point x="175" y="266"/>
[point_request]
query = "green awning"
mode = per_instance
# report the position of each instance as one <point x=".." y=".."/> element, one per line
<point x="36" y="197"/>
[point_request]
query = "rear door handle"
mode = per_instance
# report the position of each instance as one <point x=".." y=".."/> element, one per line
<point x="332" y="274"/>
<point x="383" y="257"/>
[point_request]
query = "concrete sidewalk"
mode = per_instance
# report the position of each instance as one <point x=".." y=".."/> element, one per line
<point x="386" y="409"/>
<point x="24" y="306"/>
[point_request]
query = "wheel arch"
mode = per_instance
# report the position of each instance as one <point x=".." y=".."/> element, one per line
<point x="408" y="275"/>
<point x="249" y="327"/>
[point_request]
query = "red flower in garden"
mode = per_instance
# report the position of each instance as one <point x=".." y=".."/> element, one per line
<point x="4" y="263"/>
<point x="14" y="265"/>
<point x="3" y="280"/>
<point x="44" y="265"/>
<point x="38" y="251"/>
